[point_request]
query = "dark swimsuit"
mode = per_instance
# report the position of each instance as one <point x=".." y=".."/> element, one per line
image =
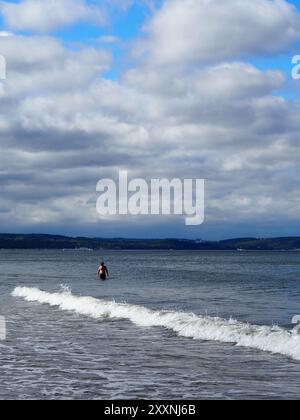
<point x="103" y="272"/>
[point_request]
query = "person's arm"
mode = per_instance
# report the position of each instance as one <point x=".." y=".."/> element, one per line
<point x="107" y="271"/>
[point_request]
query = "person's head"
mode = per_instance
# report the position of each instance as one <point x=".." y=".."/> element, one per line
<point x="102" y="264"/>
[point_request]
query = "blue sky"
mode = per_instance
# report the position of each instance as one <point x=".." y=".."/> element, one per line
<point x="182" y="95"/>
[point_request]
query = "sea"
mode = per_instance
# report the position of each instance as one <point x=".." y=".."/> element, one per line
<point x="167" y="325"/>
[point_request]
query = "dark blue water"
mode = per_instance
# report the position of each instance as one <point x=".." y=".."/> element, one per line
<point x="52" y="353"/>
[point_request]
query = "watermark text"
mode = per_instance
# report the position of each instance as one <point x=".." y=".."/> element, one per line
<point x="2" y="328"/>
<point x="2" y="67"/>
<point x="296" y="67"/>
<point x="156" y="197"/>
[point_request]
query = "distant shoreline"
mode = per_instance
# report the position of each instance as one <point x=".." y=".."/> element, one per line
<point x="58" y="242"/>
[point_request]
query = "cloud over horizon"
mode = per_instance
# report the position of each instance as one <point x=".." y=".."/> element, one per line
<point x="188" y="103"/>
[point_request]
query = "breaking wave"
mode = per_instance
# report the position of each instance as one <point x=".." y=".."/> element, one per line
<point x="273" y="339"/>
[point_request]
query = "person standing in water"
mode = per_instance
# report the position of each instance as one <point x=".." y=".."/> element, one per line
<point x="103" y="272"/>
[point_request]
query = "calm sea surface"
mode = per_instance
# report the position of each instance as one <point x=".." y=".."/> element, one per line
<point x="168" y="325"/>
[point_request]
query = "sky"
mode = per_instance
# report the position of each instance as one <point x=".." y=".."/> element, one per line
<point x="161" y="88"/>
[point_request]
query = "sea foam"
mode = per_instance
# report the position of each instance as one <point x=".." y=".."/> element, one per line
<point x="272" y="339"/>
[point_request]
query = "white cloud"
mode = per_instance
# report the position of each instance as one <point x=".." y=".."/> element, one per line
<point x="213" y="30"/>
<point x="109" y="39"/>
<point x="63" y="126"/>
<point x="5" y="34"/>
<point x="48" y="15"/>
<point x="41" y="63"/>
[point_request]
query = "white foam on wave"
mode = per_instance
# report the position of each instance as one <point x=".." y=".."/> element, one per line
<point x="273" y="339"/>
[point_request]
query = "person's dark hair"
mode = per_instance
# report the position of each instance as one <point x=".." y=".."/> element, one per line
<point x="102" y="263"/>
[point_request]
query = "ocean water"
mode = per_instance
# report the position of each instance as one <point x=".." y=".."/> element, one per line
<point x="167" y="325"/>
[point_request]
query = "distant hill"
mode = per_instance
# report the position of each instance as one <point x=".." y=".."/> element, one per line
<point x="11" y="241"/>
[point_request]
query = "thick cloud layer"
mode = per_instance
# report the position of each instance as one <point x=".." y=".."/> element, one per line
<point x="63" y="125"/>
